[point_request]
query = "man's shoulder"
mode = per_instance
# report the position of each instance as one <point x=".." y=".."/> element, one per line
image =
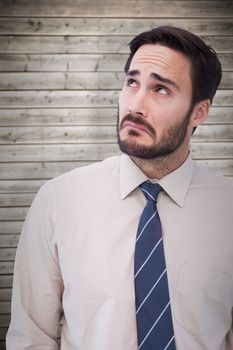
<point x="84" y="175"/>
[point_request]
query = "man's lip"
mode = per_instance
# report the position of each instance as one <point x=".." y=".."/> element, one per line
<point x="135" y="126"/>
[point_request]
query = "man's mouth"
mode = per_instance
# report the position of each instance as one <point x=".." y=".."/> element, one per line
<point x="135" y="126"/>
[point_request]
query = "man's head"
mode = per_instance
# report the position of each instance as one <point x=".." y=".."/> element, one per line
<point x="171" y="79"/>
<point x="205" y="71"/>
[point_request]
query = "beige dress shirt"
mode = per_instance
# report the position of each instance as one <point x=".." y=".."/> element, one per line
<point x="76" y="258"/>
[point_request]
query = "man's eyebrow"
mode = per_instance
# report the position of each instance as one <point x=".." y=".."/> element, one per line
<point x="155" y="76"/>
<point x="133" y="72"/>
<point x="165" y="80"/>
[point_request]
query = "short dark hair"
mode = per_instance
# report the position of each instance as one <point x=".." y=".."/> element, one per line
<point x="206" y="70"/>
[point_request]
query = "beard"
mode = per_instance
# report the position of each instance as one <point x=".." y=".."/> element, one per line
<point x="172" y="138"/>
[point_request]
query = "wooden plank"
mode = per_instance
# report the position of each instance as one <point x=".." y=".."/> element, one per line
<point x="89" y="98"/>
<point x="5" y="308"/>
<point x="9" y="241"/>
<point x="212" y="150"/>
<point x="5" y="293"/>
<point x="226" y="61"/>
<point x="85" y="116"/>
<point x="94" y="134"/>
<point x="90" y="152"/>
<point x="77" y="62"/>
<point x="64" y="81"/>
<point x="109" y="26"/>
<point x="213" y="133"/>
<point x="227" y="80"/>
<point x="58" y="134"/>
<point x="218" y="115"/>
<point x="223" y="98"/>
<point x="46" y="170"/>
<point x="72" y="116"/>
<point x="4" y="320"/>
<point x="224" y="166"/>
<point x="6" y="281"/>
<point x="77" y="81"/>
<point x="13" y="214"/>
<point x="15" y="200"/>
<point x="121" y="8"/>
<point x="7" y="254"/>
<point x="18" y="99"/>
<point x="10" y="227"/>
<point x="71" y="62"/>
<point x="6" y="268"/>
<point x="88" y="44"/>
<point x="19" y="186"/>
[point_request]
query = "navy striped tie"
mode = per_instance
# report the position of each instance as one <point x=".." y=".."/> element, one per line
<point x="153" y="311"/>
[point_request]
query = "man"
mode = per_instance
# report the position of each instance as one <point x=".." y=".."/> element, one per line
<point x="77" y="256"/>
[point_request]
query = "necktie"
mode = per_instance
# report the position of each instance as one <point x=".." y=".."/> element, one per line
<point x="153" y="311"/>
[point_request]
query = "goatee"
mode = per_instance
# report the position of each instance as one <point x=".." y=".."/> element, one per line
<point x="172" y="138"/>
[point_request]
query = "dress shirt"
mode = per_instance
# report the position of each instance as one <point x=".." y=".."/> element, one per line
<point x="75" y="259"/>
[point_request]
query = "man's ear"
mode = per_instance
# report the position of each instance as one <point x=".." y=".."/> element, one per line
<point x="200" y="113"/>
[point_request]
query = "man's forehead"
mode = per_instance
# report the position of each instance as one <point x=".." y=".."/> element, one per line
<point x="161" y="59"/>
<point x="159" y="55"/>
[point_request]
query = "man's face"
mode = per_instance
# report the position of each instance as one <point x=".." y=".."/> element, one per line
<point x="155" y="103"/>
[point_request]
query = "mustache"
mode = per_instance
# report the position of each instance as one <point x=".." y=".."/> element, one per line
<point x="137" y="120"/>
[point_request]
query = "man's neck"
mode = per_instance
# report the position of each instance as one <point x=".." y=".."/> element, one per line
<point x="159" y="167"/>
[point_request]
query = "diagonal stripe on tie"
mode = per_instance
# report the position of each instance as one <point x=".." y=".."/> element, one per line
<point x="153" y="311"/>
<point x="152" y="251"/>
<point x="147" y="296"/>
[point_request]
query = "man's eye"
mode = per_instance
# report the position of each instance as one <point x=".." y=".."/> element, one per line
<point x="131" y="83"/>
<point x="162" y="90"/>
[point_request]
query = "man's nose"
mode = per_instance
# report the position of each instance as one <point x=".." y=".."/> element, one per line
<point x="139" y="104"/>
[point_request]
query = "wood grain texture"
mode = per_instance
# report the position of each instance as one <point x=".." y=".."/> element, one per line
<point x="91" y="44"/>
<point x="77" y="62"/>
<point x="72" y="116"/>
<point x="6" y="282"/>
<point x="109" y="26"/>
<point x="17" y="213"/>
<point x="6" y="268"/>
<point x="7" y="254"/>
<point x="20" y="186"/>
<point x="5" y="293"/>
<point x="4" y="320"/>
<point x="94" y="134"/>
<point x="95" y="152"/>
<point x="119" y="9"/>
<point x="86" y="116"/>
<point x="10" y="228"/>
<point x="9" y="241"/>
<point x="80" y="98"/>
<point x="16" y="200"/>
<point x="75" y="81"/>
<point x="5" y="309"/>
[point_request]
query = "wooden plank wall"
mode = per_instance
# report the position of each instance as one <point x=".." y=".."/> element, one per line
<point x="61" y="65"/>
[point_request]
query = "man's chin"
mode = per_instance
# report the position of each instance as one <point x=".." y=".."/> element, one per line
<point x="136" y="149"/>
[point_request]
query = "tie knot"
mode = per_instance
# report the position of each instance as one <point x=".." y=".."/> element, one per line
<point x="150" y="190"/>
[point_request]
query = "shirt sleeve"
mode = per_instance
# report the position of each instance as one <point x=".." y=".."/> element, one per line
<point x="36" y="307"/>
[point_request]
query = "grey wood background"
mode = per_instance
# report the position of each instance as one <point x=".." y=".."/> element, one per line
<point x="61" y="69"/>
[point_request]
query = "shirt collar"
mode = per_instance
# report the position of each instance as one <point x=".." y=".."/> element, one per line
<point x="176" y="183"/>
<point x="130" y="176"/>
